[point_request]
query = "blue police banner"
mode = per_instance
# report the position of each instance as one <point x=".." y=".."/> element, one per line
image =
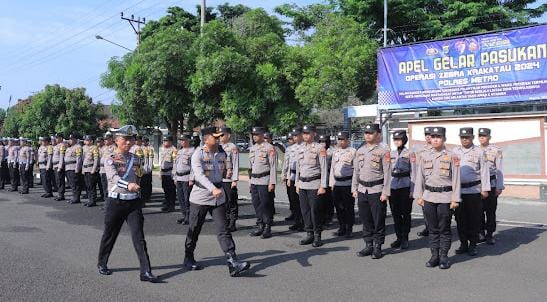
<point x="501" y="67"/>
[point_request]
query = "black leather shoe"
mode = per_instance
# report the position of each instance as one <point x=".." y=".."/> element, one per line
<point x="377" y="251"/>
<point x="24" y="193"/>
<point x="404" y="244"/>
<point x="472" y="250"/>
<point x="180" y="220"/>
<point x="47" y="195"/>
<point x="434" y="260"/>
<point x="296" y="227"/>
<point x="482" y="237"/>
<point x="464" y="248"/>
<point x="267" y="233"/>
<point x="60" y="198"/>
<point x="443" y="260"/>
<point x="317" y="240"/>
<point x="258" y="231"/>
<point x="74" y="202"/>
<point x="167" y="209"/>
<point x="341" y="231"/>
<point x="149" y="277"/>
<point x="367" y="251"/>
<point x="236" y="267"/>
<point x="423" y="233"/>
<point x="103" y="270"/>
<point x="91" y="204"/>
<point x="396" y="244"/>
<point x="289" y="218"/>
<point x="43" y="195"/>
<point x="490" y="240"/>
<point x="308" y="239"/>
<point x="191" y="264"/>
<point x="349" y="231"/>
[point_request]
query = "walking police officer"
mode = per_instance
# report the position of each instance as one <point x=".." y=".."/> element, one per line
<point x="45" y="154"/>
<point x="123" y="171"/>
<point x="58" y="161"/>
<point x="229" y="183"/>
<point x="73" y="168"/>
<point x="167" y="159"/>
<point x="182" y="174"/>
<point x="208" y="168"/>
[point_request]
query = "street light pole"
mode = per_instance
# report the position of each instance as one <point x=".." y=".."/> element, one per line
<point x="385" y="23"/>
<point x="101" y="38"/>
<point x="203" y="6"/>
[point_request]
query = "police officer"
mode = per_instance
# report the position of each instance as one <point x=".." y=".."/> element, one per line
<point x="90" y="169"/>
<point x="229" y="183"/>
<point x="400" y="201"/>
<point x="24" y="159"/>
<point x="311" y="181"/>
<point x="263" y="164"/>
<point x="123" y="171"/>
<point x="4" y="171"/>
<point x="73" y="168"/>
<point x="416" y="153"/>
<point x="494" y="156"/>
<point x="167" y="159"/>
<point x="184" y="179"/>
<point x="208" y="197"/>
<point x="268" y="137"/>
<point x="106" y="151"/>
<point x="13" y="164"/>
<point x="437" y="189"/>
<point x="475" y="184"/>
<point x="371" y="186"/>
<point x="99" y="143"/>
<point x="291" y="158"/>
<point x="58" y="161"/>
<point x="326" y="199"/>
<point x="45" y="154"/>
<point x="340" y="176"/>
<point x="30" y="171"/>
<point x="146" y="180"/>
<point x="54" y="186"/>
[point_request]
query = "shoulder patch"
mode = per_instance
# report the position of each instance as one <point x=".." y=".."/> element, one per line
<point x="323" y="152"/>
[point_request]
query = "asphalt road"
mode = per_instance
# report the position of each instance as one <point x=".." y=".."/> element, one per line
<point x="48" y="252"/>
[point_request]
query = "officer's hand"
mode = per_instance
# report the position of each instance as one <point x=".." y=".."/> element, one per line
<point x="297" y="189"/>
<point x="454" y="205"/>
<point x="420" y="202"/>
<point x="288" y="182"/>
<point x="229" y="174"/>
<point x="498" y="192"/>
<point x="321" y="191"/>
<point x="234" y="184"/>
<point x="383" y="198"/>
<point x="217" y="193"/>
<point x="484" y="194"/>
<point x="190" y="183"/>
<point x="133" y="187"/>
<point x="355" y="194"/>
<point x="271" y="188"/>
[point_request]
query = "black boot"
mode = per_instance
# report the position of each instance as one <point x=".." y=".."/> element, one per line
<point x="267" y="231"/>
<point x="258" y="231"/>
<point x="235" y="266"/>
<point x="232" y="226"/>
<point x="367" y="251"/>
<point x="404" y="242"/>
<point x="103" y="270"/>
<point x="317" y="240"/>
<point x="377" y="251"/>
<point x="149" y="277"/>
<point x="341" y="231"/>
<point x="443" y="259"/>
<point x="191" y="264"/>
<point x="472" y="251"/>
<point x="308" y="240"/>
<point x="423" y="233"/>
<point x="349" y="231"/>
<point x="290" y="217"/>
<point x="482" y="237"/>
<point x="490" y="239"/>
<point x="464" y="247"/>
<point x="434" y="260"/>
<point x="397" y="243"/>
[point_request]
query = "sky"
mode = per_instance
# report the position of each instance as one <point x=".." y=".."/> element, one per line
<point x="53" y="42"/>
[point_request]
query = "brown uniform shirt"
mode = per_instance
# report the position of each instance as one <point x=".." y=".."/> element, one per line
<point x="371" y="170"/>
<point x="438" y="169"/>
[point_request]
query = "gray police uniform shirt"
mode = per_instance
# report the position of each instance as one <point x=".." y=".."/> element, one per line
<point x="402" y="166"/>
<point x="232" y="163"/>
<point x="207" y="168"/>
<point x="263" y="163"/>
<point x="183" y="165"/>
<point x="73" y="158"/>
<point x="45" y="155"/>
<point x="3" y="152"/>
<point x="311" y="167"/>
<point x="291" y="158"/>
<point x="372" y="164"/>
<point x="341" y="171"/>
<point x="91" y="159"/>
<point x="105" y="152"/>
<point x="494" y="156"/>
<point x="473" y="168"/>
<point x="58" y="159"/>
<point x="167" y="160"/>
<point x="24" y="157"/>
<point x="13" y="154"/>
<point x="116" y="167"/>
<point x="438" y="169"/>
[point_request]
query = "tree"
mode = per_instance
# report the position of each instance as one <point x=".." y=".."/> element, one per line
<point x="12" y="122"/>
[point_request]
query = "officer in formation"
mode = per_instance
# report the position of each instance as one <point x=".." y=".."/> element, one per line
<point x="24" y="159"/>
<point x="311" y="181"/>
<point x="123" y="171"/>
<point x="90" y="169"/>
<point x="73" y="167"/>
<point x="58" y="162"/>
<point x="289" y="174"/>
<point x="371" y="185"/>
<point x="415" y="158"/>
<point x="184" y="179"/>
<point x="4" y="171"/>
<point x="167" y="159"/>
<point x="45" y="155"/>
<point x="30" y="171"/>
<point x="326" y="199"/>
<point x="229" y="182"/>
<point x="146" y="180"/>
<point x="263" y="175"/>
<point x="340" y="176"/>
<point x="105" y="153"/>
<point x="268" y="137"/>
<point x="99" y="143"/>
<point x="13" y="164"/>
<point x="207" y="196"/>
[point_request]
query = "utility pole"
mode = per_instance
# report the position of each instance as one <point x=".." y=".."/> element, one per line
<point x="203" y="7"/>
<point x="132" y="21"/>
<point x="385" y="23"/>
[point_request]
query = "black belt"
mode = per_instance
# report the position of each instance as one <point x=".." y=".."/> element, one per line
<point x="55" y="162"/>
<point x="42" y="162"/>
<point x="371" y="183"/>
<point x="218" y="185"/>
<point x="493" y="177"/>
<point x="470" y="184"/>
<point x="309" y="179"/>
<point x="101" y="165"/>
<point x="88" y="166"/>
<point x="166" y="170"/>
<point x="183" y="174"/>
<point x="260" y="175"/>
<point x="438" y="189"/>
<point x="344" y="178"/>
<point x="400" y="174"/>
<point x="70" y="162"/>
<point x="293" y="171"/>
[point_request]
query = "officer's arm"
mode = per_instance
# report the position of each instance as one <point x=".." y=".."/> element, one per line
<point x="355" y="178"/>
<point x="198" y="172"/>
<point x="49" y="158"/>
<point x="62" y="151"/>
<point x="500" y="183"/>
<point x="485" y="172"/>
<point x="96" y="159"/>
<point x="413" y="168"/>
<point x="112" y="174"/>
<point x="297" y="174"/>
<point x="191" y="177"/>
<point x="285" y="164"/>
<point x="331" y="175"/>
<point x="272" y="156"/>
<point x="151" y="157"/>
<point x="386" y="165"/>
<point x="419" y="181"/>
<point x="79" y="160"/>
<point x="235" y="161"/>
<point x="456" y="182"/>
<point x="324" y="168"/>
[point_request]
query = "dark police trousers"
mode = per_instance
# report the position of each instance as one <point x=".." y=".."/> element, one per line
<point x="146" y="187"/>
<point x="328" y="205"/>
<point x="46" y="176"/>
<point x="116" y="212"/>
<point x="373" y="214"/>
<point x="439" y="218"/>
<point x="14" y="175"/>
<point x="30" y="176"/>
<point x="23" y="175"/>
<point x="183" y="195"/>
<point x="231" y="202"/>
<point x="60" y="180"/>
<point x="294" y="204"/>
<point x="400" y="204"/>
<point x="170" y="191"/>
<point x="468" y="217"/>
<point x="91" y="186"/>
<point x="4" y="174"/>
<point x="345" y="205"/>
<point x="104" y="184"/>
<point x="312" y="211"/>
<point x="262" y="200"/>
<point x="488" y="215"/>
<point x="99" y="182"/>
<point x="75" y="181"/>
<point x="197" y="218"/>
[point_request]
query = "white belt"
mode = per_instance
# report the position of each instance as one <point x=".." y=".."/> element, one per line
<point x="123" y="196"/>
